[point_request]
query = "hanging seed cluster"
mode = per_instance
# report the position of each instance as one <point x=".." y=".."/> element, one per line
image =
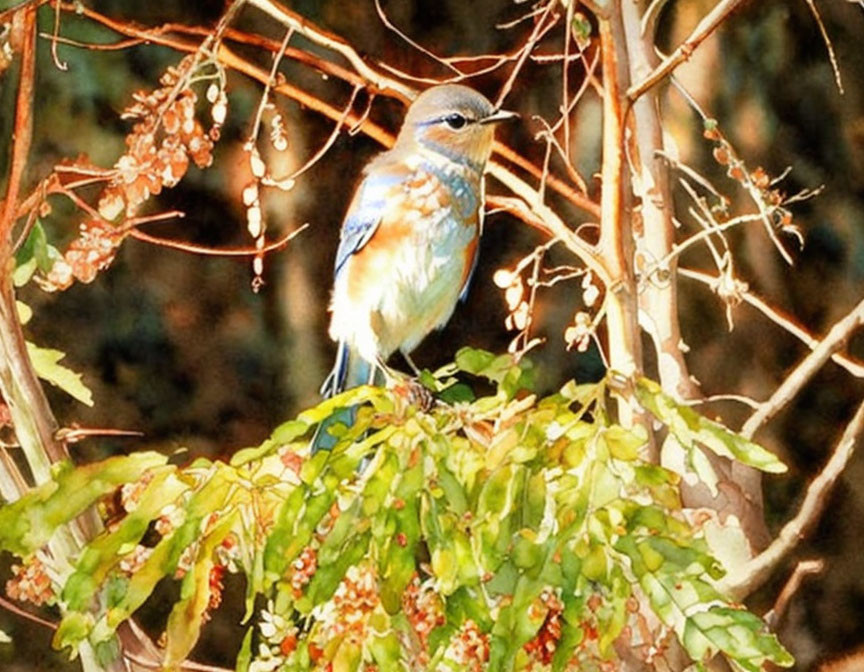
<point x="165" y="139"/>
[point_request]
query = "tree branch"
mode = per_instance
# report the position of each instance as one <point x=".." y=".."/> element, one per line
<point x="24" y="33"/>
<point x="833" y="341"/>
<point x="706" y="26"/>
<point x="760" y="568"/>
<point x="230" y="59"/>
<point x="658" y="300"/>
<point x="853" y="366"/>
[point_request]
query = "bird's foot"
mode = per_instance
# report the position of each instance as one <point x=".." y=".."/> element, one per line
<point x="415" y="393"/>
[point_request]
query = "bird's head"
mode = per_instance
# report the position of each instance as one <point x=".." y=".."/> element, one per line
<point x="455" y="121"/>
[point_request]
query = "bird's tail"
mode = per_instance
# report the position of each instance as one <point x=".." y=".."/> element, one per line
<point x="349" y="370"/>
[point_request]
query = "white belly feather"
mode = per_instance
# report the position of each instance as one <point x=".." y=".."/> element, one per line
<point x="413" y="295"/>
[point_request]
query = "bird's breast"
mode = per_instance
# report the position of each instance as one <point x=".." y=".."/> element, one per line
<point x="406" y="280"/>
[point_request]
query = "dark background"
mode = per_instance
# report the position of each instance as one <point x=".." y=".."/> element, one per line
<point x="179" y="347"/>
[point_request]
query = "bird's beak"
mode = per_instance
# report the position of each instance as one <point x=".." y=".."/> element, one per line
<point x="498" y="116"/>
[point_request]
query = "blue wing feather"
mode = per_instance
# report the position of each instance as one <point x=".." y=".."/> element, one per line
<point x="364" y="214"/>
<point x="463" y="295"/>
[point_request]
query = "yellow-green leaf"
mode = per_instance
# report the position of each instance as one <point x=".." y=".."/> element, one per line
<point x="46" y="362"/>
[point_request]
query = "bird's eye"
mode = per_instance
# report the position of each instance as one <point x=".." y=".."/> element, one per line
<point x="455" y="121"/>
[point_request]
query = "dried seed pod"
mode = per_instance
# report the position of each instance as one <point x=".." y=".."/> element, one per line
<point x="503" y="278"/>
<point x="256" y="163"/>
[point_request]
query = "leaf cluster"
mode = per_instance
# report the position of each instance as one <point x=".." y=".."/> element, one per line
<point x="499" y="532"/>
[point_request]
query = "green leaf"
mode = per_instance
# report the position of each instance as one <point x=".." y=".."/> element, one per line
<point x="104" y="552"/>
<point x="35" y="254"/>
<point x="741" y="636"/>
<point x="24" y="311"/>
<point x="45" y="362"/>
<point x="690" y="427"/>
<point x="186" y="618"/>
<point x="549" y="495"/>
<point x="511" y="376"/>
<point x="28" y="523"/>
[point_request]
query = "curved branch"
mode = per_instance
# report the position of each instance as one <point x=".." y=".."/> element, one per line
<point x="759" y="568"/>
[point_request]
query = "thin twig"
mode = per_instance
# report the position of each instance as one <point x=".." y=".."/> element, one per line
<point x="271" y="80"/>
<point x="565" y="83"/>
<point x="833" y="341"/>
<point x="540" y="29"/>
<point x="853" y="366"/>
<point x="23" y="613"/>
<point x="192" y="248"/>
<point x="757" y="570"/>
<point x="92" y="46"/>
<point x="330" y="140"/>
<point x="550" y="219"/>
<point x="61" y="65"/>
<point x="830" y="47"/>
<point x="802" y="570"/>
<point x="419" y="47"/>
<point x="333" y="42"/>
<point x="706" y="26"/>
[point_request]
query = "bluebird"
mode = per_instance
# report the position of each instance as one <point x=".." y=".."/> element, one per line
<point x="408" y="245"/>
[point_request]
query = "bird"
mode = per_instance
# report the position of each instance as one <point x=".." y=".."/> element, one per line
<point x="409" y="240"/>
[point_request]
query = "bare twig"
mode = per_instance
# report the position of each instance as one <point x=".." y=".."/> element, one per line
<point x="333" y="42"/>
<point x="23" y="613"/>
<point x="334" y="135"/>
<point x="550" y="219"/>
<point x="192" y="248"/>
<point x="419" y="47"/>
<point x="61" y="65"/>
<point x="759" y="568"/>
<point x="540" y="29"/>
<point x="833" y="341"/>
<point x="271" y="80"/>
<point x="802" y="570"/>
<point x="830" y="47"/>
<point x="706" y="26"/>
<point x="853" y="366"/>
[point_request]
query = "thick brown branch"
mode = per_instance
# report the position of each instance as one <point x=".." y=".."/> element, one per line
<point x="24" y="32"/>
<point x="615" y="244"/>
<point x="658" y="298"/>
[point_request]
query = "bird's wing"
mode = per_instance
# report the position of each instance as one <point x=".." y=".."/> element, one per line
<point x="364" y="213"/>
<point x="476" y="208"/>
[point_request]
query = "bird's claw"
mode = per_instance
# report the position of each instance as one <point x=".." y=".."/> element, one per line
<point x="416" y="394"/>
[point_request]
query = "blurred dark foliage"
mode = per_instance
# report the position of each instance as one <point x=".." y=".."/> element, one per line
<point x="179" y="347"/>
